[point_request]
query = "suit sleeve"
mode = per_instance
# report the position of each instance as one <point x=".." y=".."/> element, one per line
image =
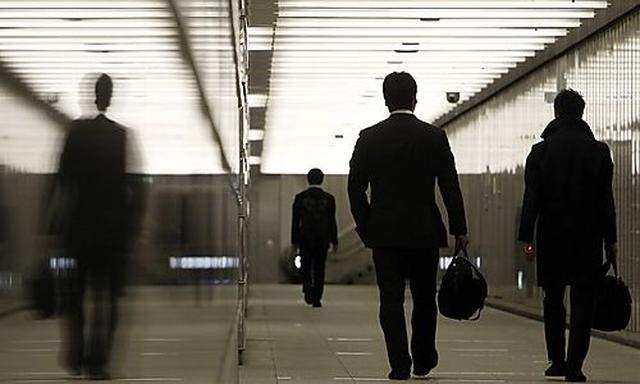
<point x="607" y="210"/>
<point x="531" y="199"/>
<point x="295" y="222"/>
<point x="332" y="218"/>
<point x="357" y="185"/>
<point x="450" y="188"/>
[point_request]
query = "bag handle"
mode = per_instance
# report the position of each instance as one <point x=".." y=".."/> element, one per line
<point x="464" y="253"/>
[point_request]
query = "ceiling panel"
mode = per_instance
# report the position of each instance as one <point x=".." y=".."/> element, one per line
<point x="329" y="58"/>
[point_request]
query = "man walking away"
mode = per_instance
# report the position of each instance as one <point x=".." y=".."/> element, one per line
<point x="568" y="193"/>
<point x="313" y="228"/>
<point x="102" y="211"/>
<point x="400" y="159"/>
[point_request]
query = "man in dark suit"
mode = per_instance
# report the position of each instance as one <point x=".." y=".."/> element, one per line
<point x="401" y="158"/>
<point x="100" y="212"/>
<point x="568" y="193"/>
<point x="313" y="228"/>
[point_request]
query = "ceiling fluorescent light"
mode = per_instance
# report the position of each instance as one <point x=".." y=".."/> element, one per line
<point x="323" y="4"/>
<point x="461" y="47"/>
<point x="26" y="4"/>
<point x="417" y="32"/>
<point x="256" y="134"/>
<point x="257" y="100"/>
<point x="416" y="23"/>
<point x="434" y="13"/>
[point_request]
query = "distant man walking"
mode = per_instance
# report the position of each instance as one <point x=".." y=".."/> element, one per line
<point x="568" y="193"/>
<point x="313" y="228"/>
<point x="401" y="158"/>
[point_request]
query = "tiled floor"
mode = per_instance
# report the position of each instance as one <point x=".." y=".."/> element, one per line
<point x="290" y="342"/>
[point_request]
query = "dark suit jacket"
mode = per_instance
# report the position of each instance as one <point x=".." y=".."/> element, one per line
<point x="308" y="230"/>
<point x="101" y="205"/>
<point x="568" y="193"/>
<point x="401" y="158"/>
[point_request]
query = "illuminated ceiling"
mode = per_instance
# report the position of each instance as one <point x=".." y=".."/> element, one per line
<point x="52" y="45"/>
<point x="330" y="57"/>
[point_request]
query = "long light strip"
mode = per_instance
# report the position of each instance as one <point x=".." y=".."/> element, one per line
<point x="434" y="13"/>
<point x="412" y="32"/>
<point x="420" y="4"/>
<point x="430" y="23"/>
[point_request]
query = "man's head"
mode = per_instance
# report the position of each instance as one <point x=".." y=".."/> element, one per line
<point x="569" y="104"/>
<point x="399" y="89"/>
<point x="103" y="90"/>
<point x="315" y="177"/>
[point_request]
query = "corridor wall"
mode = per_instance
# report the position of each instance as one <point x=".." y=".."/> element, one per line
<point x="491" y="143"/>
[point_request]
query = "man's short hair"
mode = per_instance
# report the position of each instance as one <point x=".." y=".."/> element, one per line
<point x="315" y="176"/>
<point x="569" y="103"/>
<point x="104" y="90"/>
<point x="399" y="89"/>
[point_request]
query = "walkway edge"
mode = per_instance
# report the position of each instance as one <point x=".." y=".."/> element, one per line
<point x="624" y="337"/>
<point x="11" y="311"/>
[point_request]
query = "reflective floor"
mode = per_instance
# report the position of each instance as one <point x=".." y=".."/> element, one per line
<point x="167" y="335"/>
<point x="290" y="342"/>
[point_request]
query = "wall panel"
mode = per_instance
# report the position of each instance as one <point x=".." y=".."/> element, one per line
<point x="492" y="141"/>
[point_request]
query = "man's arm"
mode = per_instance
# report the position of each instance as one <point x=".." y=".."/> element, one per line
<point x="450" y="188"/>
<point x="607" y="208"/>
<point x="357" y="188"/>
<point x="530" y="201"/>
<point x="295" y="222"/>
<point x="334" y="224"/>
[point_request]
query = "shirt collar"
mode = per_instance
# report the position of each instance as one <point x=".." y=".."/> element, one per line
<point x="402" y="111"/>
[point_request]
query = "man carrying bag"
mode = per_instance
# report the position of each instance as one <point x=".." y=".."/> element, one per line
<point x="401" y="158"/>
<point x="568" y="196"/>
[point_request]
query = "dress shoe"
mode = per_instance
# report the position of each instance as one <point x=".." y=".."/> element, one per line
<point x="317" y="304"/>
<point x="399" y="375"/>
<point x="555" y="370"/>
<point x="421" y="372"/>
<point x="575" y="377"/>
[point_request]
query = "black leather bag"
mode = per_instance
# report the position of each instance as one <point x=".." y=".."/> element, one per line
<point x="612" y="303"/>
<point x="463" y="290"/>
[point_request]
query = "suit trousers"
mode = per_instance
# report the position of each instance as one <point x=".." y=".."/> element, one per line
<point x="582" y="298"/>
<point x="393" y="268"/>
<point x="103" y="272"/>
<point x="313" y="261"/>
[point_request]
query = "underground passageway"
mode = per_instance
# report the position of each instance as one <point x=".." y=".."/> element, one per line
<point x="419" y="114"/>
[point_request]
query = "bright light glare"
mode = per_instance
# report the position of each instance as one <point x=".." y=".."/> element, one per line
<point x="330" y="57"/>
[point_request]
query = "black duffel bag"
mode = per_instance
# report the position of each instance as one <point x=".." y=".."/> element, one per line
<point x="463" y="290"/>
<point x="612" y="302"/>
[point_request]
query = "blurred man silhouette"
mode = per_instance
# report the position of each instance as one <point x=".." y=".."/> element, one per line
<point x="313" y="228"/>
<point x="97" y="221"/>
<point x="401" y="158"/>
<point x="568" y="193"/>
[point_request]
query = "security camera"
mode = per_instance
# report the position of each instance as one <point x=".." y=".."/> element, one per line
<point x="453" y="97"/>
